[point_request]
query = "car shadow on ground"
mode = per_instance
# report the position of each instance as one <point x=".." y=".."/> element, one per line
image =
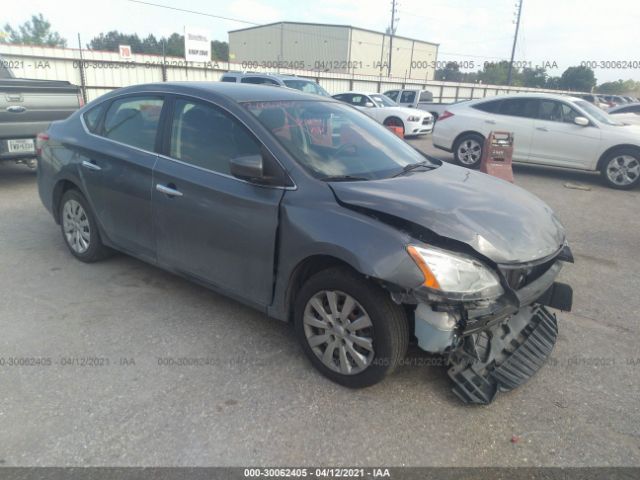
<point x="562" y="174"/>
<point x="13" y="174"/>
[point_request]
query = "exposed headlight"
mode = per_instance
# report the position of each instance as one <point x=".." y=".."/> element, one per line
<point x="413" y="119"/>
<point x="455" y="275"/>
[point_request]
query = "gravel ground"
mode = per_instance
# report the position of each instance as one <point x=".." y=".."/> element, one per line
<point x="256" y="399"/>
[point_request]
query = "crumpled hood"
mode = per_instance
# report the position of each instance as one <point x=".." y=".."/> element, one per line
<point x="497" y="219"/>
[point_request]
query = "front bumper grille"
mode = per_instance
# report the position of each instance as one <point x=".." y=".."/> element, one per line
<point x="504" y="357"/>
<point x="522" y="276"/>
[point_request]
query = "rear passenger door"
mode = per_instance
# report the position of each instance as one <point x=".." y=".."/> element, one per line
<point x="208" y="224"/>
<point x="116" y="169"/>
<point x="515" y="115"/>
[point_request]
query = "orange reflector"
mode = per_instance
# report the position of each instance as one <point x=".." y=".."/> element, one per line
<point x="429" y="279"/>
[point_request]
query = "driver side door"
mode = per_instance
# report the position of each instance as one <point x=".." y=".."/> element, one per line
<point x="208" y="224"/>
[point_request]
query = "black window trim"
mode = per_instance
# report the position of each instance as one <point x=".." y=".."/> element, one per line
<point x="166" y="124"/>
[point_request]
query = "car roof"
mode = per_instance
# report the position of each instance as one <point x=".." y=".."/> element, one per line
<point x="265" y="74"/>
<point x="358" y="92"/>
<point x="550" y="96"/>
<point x="238" y="92"/>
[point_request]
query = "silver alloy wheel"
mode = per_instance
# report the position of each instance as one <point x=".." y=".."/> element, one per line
<point x="469" y="152"/>
<point x="339" y="331"/>
<point x="623" y="170"/>
<point x="75" y="223"/>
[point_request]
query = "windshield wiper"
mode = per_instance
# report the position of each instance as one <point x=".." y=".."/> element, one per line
<point x="412" y="166"/>
<point x="343" y="178"/>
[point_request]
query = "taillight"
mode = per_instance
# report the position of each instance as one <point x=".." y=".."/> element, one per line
<point x="446" y="114"/>
<point x="80" y="99"/>
<point x="40" y="139"/>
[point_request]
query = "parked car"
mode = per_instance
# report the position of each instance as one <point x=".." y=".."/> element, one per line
<point x="289" y="81"/>
<point x="615" y="100"/>
<point x="421" y="99"/>
<point x="548" y="130"/>
<point x="627" y="114"/>
<point x="607" y="103"/>
<point x="315" y="214"/>
<point x="27" y="107"/>
<point x="389" y="113"/>
<point x="595" y="100"/>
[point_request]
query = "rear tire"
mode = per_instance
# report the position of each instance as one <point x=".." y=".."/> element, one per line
<point x="467" y="150"/>
<point x="621" y="169"/>
<point x="349" y="328"/>
<point x="79" y="228"/>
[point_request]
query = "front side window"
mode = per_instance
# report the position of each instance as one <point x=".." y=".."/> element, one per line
<point x="134" y="121"/>
<point x="554" y="111"/>
<point x="332" y="140"/>
<point x="392" y="94"/>
<point x="208" y="137"/>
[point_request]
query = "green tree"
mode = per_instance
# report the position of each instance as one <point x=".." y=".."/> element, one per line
<point x="578" y="78"/>
<point x="553" y="83"/>
<point x="220" y="50"/>
<point x="498" y="74"/>
<point x="36" y="31"/>
<point x="451" y="73"/>
<point x="534" y="77"/>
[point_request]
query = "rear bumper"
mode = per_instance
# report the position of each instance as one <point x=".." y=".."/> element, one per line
<point x="6" y="155"/>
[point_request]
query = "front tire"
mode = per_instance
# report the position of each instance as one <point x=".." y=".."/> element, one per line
<point x="349" y="328"/>
<point x="621" y="169"/>
<point x="467" y="150"/>
<point x="79" y="228"/>
<point x="395" y="122"/>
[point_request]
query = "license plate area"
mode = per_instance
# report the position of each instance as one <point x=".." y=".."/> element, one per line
<point x="22" y="145"/>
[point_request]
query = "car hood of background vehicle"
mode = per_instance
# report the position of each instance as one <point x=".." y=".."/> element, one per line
<point x="497" y="219"/>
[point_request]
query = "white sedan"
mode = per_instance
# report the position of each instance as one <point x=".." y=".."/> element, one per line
<point x="548" y="129"/>
<point x="629" y="113"/>
<point x="389" y="113"/>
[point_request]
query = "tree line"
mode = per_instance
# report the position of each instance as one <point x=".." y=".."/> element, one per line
<point x="38" y="31"/>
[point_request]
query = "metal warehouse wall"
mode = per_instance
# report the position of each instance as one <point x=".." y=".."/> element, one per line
<point x="101" y="72"/>
<point x="299" y="46"/>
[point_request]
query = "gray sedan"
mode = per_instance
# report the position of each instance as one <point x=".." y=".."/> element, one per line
<point x="315" y="214"/>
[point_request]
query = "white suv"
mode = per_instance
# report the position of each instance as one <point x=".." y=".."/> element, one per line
<point x="548" y="129"/>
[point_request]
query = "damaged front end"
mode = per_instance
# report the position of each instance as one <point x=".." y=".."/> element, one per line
<point x="498" y="337"/>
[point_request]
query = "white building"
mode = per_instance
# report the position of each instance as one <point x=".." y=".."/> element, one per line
<point x="331" y="48"/>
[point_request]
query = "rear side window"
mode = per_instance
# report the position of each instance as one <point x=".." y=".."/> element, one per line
<point x="133" y="121"/>
<point x="207" y="137"/>
<point x="491" y="106"/>
<point x="228" y="79"/>
<point x="426" y="97"/>
<point x="259" y="81"/>
<point x="92" y="117"/>
<point x="519" y="107"/>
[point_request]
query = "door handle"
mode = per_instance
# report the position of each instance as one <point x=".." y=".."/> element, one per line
<point x="169" y="190"/>
<point x="16" y="109"/>
<point x="490" y="122"/>
<point x="542" y="129"/>
<point x="91" y="166"/>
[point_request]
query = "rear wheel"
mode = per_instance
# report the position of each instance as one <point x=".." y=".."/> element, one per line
<point x="467" y="150"/>
<point x="349" y="328"/>
<point x="79" y="228"/>
<point x="621" y="169"/>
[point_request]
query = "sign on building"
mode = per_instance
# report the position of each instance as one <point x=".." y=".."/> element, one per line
<point x="125" y="51"/>
<point x="197" y="46"/>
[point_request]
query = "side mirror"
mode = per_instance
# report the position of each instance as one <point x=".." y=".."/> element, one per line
<point x="369" y="104"/>
<point x="247" y="167"/>
<point x="582" y="121"/>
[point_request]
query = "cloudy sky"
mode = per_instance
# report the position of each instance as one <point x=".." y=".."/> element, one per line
<point x="562" y="31"/>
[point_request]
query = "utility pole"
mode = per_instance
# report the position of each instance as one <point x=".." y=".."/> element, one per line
<point x="392" y="31"/>
<point x="515" y="40"/>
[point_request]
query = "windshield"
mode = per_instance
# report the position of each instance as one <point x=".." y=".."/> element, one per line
<point x="597" y="113"/>
<point x="307" y="86"/>
<point x="334" y="140"/>
<point x="383" y="101"/>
